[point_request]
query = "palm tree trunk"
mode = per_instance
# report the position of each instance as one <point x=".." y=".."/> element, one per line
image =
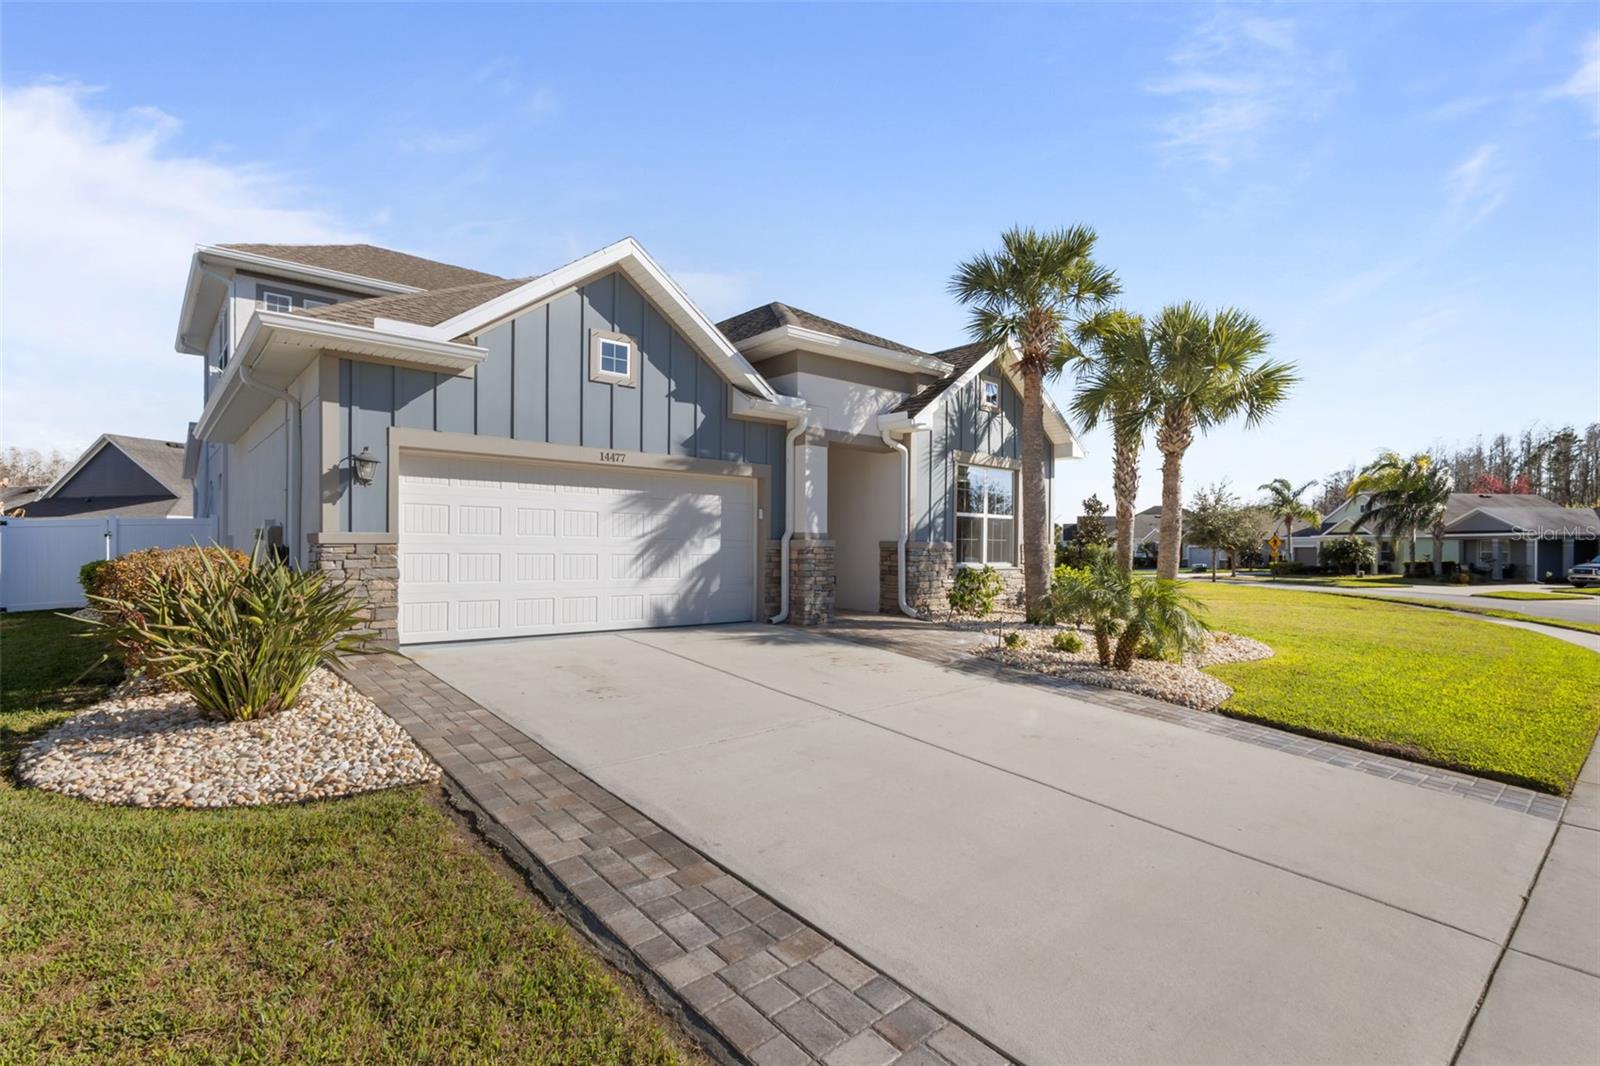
<point x="1124" y="486"/>
<point x="1102" y="644"/>
<point x="1035" y="518"/>
<point x="1173" y="438"/>
<point x="1127" y="645"/>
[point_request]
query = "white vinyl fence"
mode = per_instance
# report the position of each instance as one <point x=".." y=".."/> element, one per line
<point x="40" y="557"/>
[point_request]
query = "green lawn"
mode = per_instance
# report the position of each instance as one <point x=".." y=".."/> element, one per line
<point x="1494" y="612"/>
<point x="1430" y="685"/>
<point x="364" y="929"/>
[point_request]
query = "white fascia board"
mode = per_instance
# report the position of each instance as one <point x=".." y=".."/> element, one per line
<point x="72" y="471"/>
<point x="229" y="260"/>
<point x="788" y="338"/>
<point x="284" y="268"/>
<point x="785" y="409"/>
<point x="630" y="257"/>
<point x="316" y="336"/>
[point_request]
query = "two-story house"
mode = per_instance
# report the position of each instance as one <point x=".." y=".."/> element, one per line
<point x="585" y="449"/>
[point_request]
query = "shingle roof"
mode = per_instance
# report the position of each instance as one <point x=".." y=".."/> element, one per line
<point x="161" y="459"/>
<point x="422" y="308"/>
<point x="370" y="261"/>
<point x="961" y="359"/>
<point x="759" y="320"/>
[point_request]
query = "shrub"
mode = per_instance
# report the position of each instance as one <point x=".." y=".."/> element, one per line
<point x="1349" y="554"/>
<point x="1052" y="606"/>
<point x="128" y="580"/>
<point x="975" y="590"/>
<point x="1012" y="639"/>
<point x="87" y="574"/>
<point x="1162" y="621"/>
<point x="239" y="637"/>
<point x="1066" y="641"/>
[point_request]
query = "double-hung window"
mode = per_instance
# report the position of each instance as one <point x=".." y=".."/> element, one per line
<point x="986" y="516"/>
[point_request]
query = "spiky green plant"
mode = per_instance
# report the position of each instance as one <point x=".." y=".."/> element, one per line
<point x="240" y="637"/>
<point x="1100" y="595"/>
<point x="1163" y="616"/>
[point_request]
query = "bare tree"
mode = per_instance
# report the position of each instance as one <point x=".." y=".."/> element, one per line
<point x="29" y="466"/>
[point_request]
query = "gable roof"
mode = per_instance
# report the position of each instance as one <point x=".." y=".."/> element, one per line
<point x="768" y="317"/>
<point x="421" y="308"/>
<point x="160" y="460"/>
<point x="369" y="261"/>
<point x="962" y="359"/>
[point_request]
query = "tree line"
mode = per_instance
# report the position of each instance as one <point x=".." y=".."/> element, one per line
<point x="1559" y="464"/>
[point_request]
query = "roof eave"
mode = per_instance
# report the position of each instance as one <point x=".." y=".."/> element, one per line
<point x="787" y="338"/>
<point x="296" y="341"/>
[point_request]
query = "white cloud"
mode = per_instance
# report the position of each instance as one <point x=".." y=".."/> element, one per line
<point x="1584" y="85"/>
<point x="1236" y="77"/>
<point x="101" y="214"/>
<point x="1477" y="186"/>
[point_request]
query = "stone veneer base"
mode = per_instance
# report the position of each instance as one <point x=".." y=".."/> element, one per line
<point x="368" y="563"/>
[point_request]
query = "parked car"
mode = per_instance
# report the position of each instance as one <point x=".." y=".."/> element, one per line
<point x="1585" y="574"/>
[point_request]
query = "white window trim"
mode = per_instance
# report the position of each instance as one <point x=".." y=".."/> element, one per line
<point x="597" y="339"/>
<point x="983" y="540"/>
<point x="984" y="385"/>
<point x="266" y="299"/>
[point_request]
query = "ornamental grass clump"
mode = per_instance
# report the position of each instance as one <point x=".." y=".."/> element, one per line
<point x="116" y="587"/>
<point x="239" y="636"/>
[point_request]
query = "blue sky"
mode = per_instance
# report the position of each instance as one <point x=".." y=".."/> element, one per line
<point x="1408" y="196"/>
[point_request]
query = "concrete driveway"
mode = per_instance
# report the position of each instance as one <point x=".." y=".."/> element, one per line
<point x="1075" y="883"/>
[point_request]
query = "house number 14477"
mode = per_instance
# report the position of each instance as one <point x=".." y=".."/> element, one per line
<point x="613" y="457"/>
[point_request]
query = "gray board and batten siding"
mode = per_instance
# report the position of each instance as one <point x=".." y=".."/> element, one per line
<point x="534" y="385"/>
<point x="963" y="424"/>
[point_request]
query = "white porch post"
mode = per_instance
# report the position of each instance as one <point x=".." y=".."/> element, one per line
<point x="1495" y="572"/>
<point x="1533" y="560"/>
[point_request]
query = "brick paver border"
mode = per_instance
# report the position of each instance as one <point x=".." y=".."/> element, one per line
<point x="752" y="981"/>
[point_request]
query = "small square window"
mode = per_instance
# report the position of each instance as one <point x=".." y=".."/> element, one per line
<point x="277" y="301"/>
<point x="991" y="395"/>
<point x="614" y="357"/>
<point x="611" y="359"/>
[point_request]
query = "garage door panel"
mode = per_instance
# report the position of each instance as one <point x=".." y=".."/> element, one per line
<point x="505" y="548"/>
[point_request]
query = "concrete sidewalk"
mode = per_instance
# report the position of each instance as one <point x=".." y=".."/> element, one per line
<point x="1072" y="882"/>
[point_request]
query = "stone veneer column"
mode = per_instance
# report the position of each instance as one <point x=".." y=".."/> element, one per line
<point x="812" y="580"/>
<point x="930" y="569"/>
<point x="771" y="585"/>
<point x="369" y="564"/>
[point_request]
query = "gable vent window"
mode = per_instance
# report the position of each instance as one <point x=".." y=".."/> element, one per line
<point x="277" y="301"/>
<point x="612" y="358"/>
<point x="991" y="395"/>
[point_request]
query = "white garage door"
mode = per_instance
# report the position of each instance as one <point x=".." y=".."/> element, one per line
<point x="502" y="548"/>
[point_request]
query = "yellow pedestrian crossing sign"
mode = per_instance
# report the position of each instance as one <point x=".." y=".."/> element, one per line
<point x="1274" y="543"/>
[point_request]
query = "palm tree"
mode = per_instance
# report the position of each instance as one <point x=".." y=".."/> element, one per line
<point x="1031" y="292"/>
<point x="1209" y="370"/>
<point x="1284" y="505"/>
<point x="1163" y="615"/>
<point x="1115" y="384"/>
<point x="1409" y="493"/>
<point x="1100" y="595"/>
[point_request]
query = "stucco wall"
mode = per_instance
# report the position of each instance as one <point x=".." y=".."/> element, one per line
<point x="863" y="489"/>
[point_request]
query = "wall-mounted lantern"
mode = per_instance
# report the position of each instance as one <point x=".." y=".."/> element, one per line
<point x="366" y="466"/>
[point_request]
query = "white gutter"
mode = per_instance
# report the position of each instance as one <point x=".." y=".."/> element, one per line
<point x="291" y="475"/>
<point x="794" y="434"/>
<point x="887" y="427"/>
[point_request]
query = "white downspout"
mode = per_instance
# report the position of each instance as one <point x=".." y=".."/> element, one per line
<point x="905" y="522"/>
<point x="291" y="478"/>
<point x="788" y="522"/>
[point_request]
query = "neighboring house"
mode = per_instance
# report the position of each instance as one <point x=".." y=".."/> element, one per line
<point x="585" y="449"/>
<point x="1497" y="535"/>
<point x="130" y="477"/>
<point x="1147" y="538"/>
